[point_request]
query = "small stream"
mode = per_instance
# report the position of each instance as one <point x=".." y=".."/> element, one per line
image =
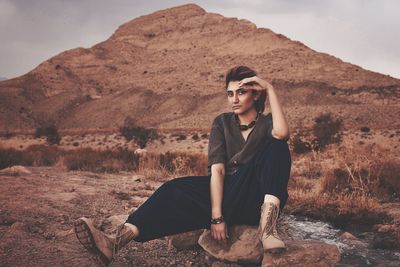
<point x="354" y="252"/>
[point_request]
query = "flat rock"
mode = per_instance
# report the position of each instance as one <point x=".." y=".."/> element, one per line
<point x="15" y="170"/>
<point x="304" y="253"/>
<point x="244" y="246"/>
<point x="186" y="240"/>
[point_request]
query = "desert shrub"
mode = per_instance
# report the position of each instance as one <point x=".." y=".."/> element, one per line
<point x="167" y="161"/>
<point x="50" y="132"/>
<point x="300" y="146"/>
<point x="139" y="134"/>
<point x="34" y="155"/>
<point x="181" y="137"/>
<point x="87" y="159"/>
<point x="365" y="129"/>
<point x="195" y="137"/>
<point x="327" y="131"/>
<point x="336" y="181"/>
<point x="183" y="163"/>
<point x="342" y="211"/>
<point x="389" y="182"/>
<point x="10" y="157"/>
<point x="7" y="134"/>
<point x="43" y="155"/>
<point x="363" y="176"/>
<point x="204" y="136"/>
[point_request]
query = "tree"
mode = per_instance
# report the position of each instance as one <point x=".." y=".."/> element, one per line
<point x="50" y="132"/>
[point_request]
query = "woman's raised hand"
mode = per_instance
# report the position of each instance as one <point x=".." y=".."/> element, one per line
<point x="219" y="231"/>
<point x="255" y="83"/>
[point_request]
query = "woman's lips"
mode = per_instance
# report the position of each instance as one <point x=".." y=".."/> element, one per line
<point x="234" y="107"/>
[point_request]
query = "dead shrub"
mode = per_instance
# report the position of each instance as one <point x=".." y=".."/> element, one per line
<point x="10" y="157"/>
<point x="363" y="174"/>
<point x="389" y="182"/>
<point x="7" y="134"/>
<point x="342" y="210"/>
<point x="43" y="155"/>
<point x="50" y="132"/>
<point x="183" y="163"/>
<point x="326" y="130"/>
<point x="87" y="159"/>
<point x="163" y="167"/>
<point x="139" y="134"/>
<point x="301" y="146"/>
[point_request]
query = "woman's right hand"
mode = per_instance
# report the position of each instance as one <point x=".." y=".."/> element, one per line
<point x="219" y="231"/>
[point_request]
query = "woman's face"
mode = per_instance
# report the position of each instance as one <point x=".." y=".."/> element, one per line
<point x="240" y="99"/>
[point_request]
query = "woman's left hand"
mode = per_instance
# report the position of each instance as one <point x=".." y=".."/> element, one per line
<point x="255" y="83"/>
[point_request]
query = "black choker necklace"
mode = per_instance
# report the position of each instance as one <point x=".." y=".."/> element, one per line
<point x="244" y="127"/>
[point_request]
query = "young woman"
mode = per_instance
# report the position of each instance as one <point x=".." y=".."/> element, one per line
<point x="249" y="166"/>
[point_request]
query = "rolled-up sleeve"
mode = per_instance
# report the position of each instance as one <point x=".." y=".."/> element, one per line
<point x="216" y="144"/>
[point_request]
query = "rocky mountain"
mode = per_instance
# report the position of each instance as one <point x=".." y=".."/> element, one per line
<point x="166" y="70"/>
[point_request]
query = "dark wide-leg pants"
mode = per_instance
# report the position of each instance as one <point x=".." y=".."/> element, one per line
<point x="184" y="204"/>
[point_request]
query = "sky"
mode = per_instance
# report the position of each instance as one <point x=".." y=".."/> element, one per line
<point x="362" y="32"/>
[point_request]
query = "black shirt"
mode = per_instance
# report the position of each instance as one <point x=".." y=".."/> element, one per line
<point x="227" y="144"/>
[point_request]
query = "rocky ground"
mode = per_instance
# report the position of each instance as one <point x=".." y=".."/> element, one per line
<point x="38" y="209"/>
<point x="39" y="205"/>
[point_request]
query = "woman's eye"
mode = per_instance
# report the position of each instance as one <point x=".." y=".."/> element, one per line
<point x="229" y="93"/>
<point x="242" y="91"/>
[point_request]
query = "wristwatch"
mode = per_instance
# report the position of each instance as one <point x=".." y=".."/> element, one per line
<point x="217" y="220"/>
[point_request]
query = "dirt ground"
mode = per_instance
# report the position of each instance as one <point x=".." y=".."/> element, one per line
<point x="37" y="211"/>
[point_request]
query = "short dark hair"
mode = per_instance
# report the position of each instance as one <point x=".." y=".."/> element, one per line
<point x="240" y="72"/>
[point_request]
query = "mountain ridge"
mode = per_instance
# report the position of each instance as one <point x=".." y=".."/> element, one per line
<point x="172" y="62"/>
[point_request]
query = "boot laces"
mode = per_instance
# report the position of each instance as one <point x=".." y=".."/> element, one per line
<point x="272" y="214"/>
<point x="123" y="233"/>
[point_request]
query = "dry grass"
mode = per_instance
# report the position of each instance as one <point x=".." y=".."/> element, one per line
<point x="163" y="166"/>
<point x="35" y="155"/>
<point x="153" y="166"/>
<point x="87" y="159"/>
<point x="354" y="180"/>
<point x="368" y="172"/>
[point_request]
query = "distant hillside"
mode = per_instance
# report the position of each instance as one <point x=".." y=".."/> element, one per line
<point x="166" y="70"/>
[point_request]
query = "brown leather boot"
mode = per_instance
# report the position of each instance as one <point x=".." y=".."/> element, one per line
<point x="95" y="241"/>
<point x="267" y="229"/>
<point x="124" y="235"/>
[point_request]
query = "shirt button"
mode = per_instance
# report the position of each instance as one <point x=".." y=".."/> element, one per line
<point x="235" y="162"/>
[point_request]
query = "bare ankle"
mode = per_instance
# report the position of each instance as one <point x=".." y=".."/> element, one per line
<point x="134" y="229"/>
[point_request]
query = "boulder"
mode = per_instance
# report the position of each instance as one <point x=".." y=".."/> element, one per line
<point x="352" y="241"/>
<point x="244" y="246"/>
<point x="347" y="236"/>
<point x="186" y="240"/>
<point x="304" y="253"/>
<point x="15" y="170"/>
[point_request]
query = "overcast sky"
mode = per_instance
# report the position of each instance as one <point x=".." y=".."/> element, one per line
<point x="363" y="32"/>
